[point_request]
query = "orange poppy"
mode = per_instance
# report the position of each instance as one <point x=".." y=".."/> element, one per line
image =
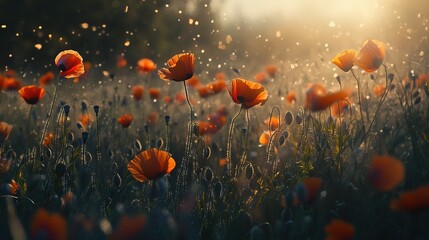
<point x="180" y="68"/>
<point x="125" y="120"/>
<point x="152" y="118"/>
<point x="4" y="165"/>
<point x="318" y="99"/>
<point x="48" y="139"/>
<point x="421" y="80"/>
<point x="275" y="122"/>
<point x="154" y="93"/>
<point x="121" y="61"/>
<point x="345" y="59"/>
<point x="204" y="91"/>
<point x="207" y="127"/>
<point x="247" y="93"/>
<point x="193" y="81"/>
<point x="9" y="82"/>
<point x="70" y="64"/>
<point x="85" y="120"/>
<point x="291" y="97"/>
<point x="31" y="94"/>
<point x="151" y="164"/>
<point x="339" y="107"/>
<point x="264" y="139"/>
<point x="145" y="65"/>
<point x="220" y="76"/>
<point x="46" y="78"/>
<point x="412" y="201"/>
<point x="371" y="55"/>
<point x="180" y="98"/>
<point x="167" y="99"/>
<point x="386" y="172"/>
<point x="5" y="130"/>
<point x="13" y="187"/>
<point x="223" y="162"/>
<point x="50" y="226"/>
<point x="378" y="90"/>
<point x="129" y="227"/>
<point x="339" y="230"/>
<point x="217" y="86"/>
<point x="271" y="70"/>
<point x="261" y="77"/>
<point x="312" y="185"/>
<point x="137" y="91"/>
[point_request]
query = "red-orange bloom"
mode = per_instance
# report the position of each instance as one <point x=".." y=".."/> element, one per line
<point x="247" y="93"/>
<point x="339" y="107"/>
<point x="48" y="226"/>
<point x="137" y="91"/>
<point x="217" y="86"/>
<point x="275" y="122"/>
<point x="48" y="139"/>
<point x="85" y="119"/>
<point x="145" y="65"/>
<point x="130" y="227"/>
<point x="264" y="139"/>
<point x="379" y="89"/>
<point x="70" y="64"/>
<point x="318" y="99"/>
<point x="345" y="59"/>
<point x="371" y="55"/>
<point x="261" y="77"/>
<point x="339" y="230"/>
<point x="312" y="185"/>
<point x="31" y="94"/>
<point x="5" y="130"/>
<point x="152" y="118"/>
<point x="291" y="97"/>
<point x="180" y="68"/>
<point x="193" y="81"/>
<point x="13" y="187"/>
<point x="9" y="82"/>
<point x="412" y="201"/>
<point x="121" y="61"/>
<point x="46" y="78"/>
<point x="151" y="164"/>
<point x="271" y="70"/>
<point x="386" y="172"/>
<point x="154" y="93"/>
<point x="125" y="120"/>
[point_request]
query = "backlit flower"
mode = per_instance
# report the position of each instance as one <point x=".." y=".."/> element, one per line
<point x="386" y="172"/>
<point x="137" y="91"/>
<point x="318" y="99"/>
<point x="31" y="94"/>
<point x="125" y="120"/>
<point x="345" y="59"/>
<point x="180" y="68"/>
<point x="9" y="82"/>
<point x="70" y="64"/>
<point x="247" y="93"/>
<point x="371" y="55"/>
<point x="151" y="164"/>
<point x="145" y="65"/>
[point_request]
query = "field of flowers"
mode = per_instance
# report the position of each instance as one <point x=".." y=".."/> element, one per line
<point x="330" y="146"/>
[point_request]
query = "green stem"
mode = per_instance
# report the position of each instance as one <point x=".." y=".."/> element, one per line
<point x="228" y="145"/>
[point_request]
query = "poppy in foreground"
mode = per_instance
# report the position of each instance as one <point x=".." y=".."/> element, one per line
<point x="386" y="172"/>
<point x="371" y="55"/>
<point x="5" y="130"/>
<point x="180" y="68"/>
<point x="412" y="201"/>
<point x="31" y="94"/>
<point x="48" y="226"/>
<point x="247" y="93"/>
<point x="125" y="120"/>
<point x="339" y="230"/>
<point x="151" y="164"/>
<point x="345" y="59"/>
<point x="145" y="65"/>
<point x="318" y="99"/>
<point x="70" y="64"/>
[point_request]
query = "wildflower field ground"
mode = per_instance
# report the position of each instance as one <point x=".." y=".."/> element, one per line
<point x="214" y="120"/>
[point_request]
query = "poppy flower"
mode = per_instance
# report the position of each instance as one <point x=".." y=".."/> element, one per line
<point x="180" y="68"/>
<point x="220" y="76"/>
<point x="48" y="139"/>
<point x="31" y="94"/>
<point x="386" y="172"/>
<point x="370" y="56"/>
<point x="207" y="127"/>
<point x="152" y="118"/>
<point x="318" y="99"/>
<point x="193" y="81"/>
<point x="204" y="91"/>
<point x="247" y="93"/>
<point x="217" y="86"/>
<point x="275" y="122"/>
<point x="5" y="130"/>
<point x="129" y="227"/>
<point x="167" y="99"/>
<point x="85" y="120"/>
<point x="8" y="81"/>
<point x="345" y="59"/>
<point x="312" y="185"/>
<point x="137" y="91"/>
<point x="151" y="164"/>
<point x="412" y="201"/>
<point x="125" y="120"/>
<point x="13" y="187"/>
<point x="378" y="90"/>
<point x="48" y="226"/>
<point x="264" y="139"/>
<point x="121" y="61"/>
<point x="422" y="79"/>
<point x="145" y="65"/>
<point x="46" y="78"/>
<point x="339" y="230"/>
<point x="271" y="70"/>
<point x="223" y="162"/>
<point x="261" y="77"/>
<point x="291" y="97"/>
<point x="70" y="64"/>
<point x="154" y="93"/>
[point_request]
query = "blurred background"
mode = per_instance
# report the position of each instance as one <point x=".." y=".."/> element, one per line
<point x="220" y="32"/>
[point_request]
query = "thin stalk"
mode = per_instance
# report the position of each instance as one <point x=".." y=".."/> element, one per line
<point x="360" y="103"/>
<point x="246" y="137"/>
<point x="228" y="145"/>
<point x="28" y="134"/>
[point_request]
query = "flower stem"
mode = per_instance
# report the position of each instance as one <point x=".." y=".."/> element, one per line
<point x="228" y="146"/>
<point x="360" y="103"/>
